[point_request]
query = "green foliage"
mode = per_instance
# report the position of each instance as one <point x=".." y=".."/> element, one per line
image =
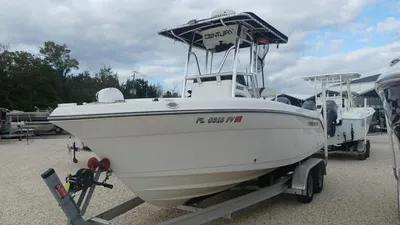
<point x="44" y="80"/>
<point x="140" y="88"/>
<point x="58" y="57"/>
<point x="26" y="81"/>
<point x="170" y="94"/>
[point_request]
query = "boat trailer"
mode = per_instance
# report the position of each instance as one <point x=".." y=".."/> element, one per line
<point x="304" y="179"/>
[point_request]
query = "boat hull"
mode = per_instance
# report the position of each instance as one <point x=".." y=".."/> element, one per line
<point x="168" y="159"/>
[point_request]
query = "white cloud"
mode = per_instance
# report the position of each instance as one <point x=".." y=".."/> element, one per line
<point x="370" y="29"/>
<point x="366" y="61"/>
<point x="173" y="82"/>
<point x="123" y="33"/>
<point x="388" y="25"/>
<point x="319" y="45"/>
<point x="335" y="45"/>
<point x="365" y="40"/>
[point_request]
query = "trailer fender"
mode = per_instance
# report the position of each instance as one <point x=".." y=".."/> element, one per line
<point x="300" y="175"/>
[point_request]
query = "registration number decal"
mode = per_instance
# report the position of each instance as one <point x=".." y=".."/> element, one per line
<point x="220" y="119"/>
<point x="313" y="124"/>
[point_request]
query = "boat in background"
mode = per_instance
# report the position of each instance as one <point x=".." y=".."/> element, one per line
<point x="347" y="126"/>
<point x="37" y="121"/>
<point x="169" y="151"/>
<point x="388" y="88"/>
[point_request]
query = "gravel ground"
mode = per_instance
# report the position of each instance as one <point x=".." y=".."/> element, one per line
<point x="355" y="192"/>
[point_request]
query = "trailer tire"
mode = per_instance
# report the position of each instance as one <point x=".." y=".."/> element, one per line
<point x="367" y="148"/>
<point x="362" y="156"/>
<point x="318" y="175"/>
<point x="309" y="190"/>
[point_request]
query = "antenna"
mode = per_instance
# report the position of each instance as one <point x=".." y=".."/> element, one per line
<point x="133" y="91"/>
<point x="135" y="74"/>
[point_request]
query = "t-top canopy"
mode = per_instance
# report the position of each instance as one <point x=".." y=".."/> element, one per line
<point x="333" y="77"/>
<point x="260" y="30"/>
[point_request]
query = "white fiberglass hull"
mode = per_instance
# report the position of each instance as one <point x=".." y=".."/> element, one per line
<point x="169" y="156"/>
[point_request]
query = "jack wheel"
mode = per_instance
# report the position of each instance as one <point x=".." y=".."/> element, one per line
<point x="318" y="173"/>
<point x="309" y="189"/>
<point x="75" y="160"/>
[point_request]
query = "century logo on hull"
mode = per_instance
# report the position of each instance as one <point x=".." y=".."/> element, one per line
<point x="218" y="34"/>
<point x="220" y="119"/>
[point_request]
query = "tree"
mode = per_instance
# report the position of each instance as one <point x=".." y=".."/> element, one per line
<point x="172" y="93"/>
<point x="44" y="80"/>
<point x="141" y="88"/>
<point x="58" y="56"/>
<point x="26" y="81"/>
<point x="107" y="78"/>
<point x="159" y="89"/>
<point x="82" y="87"/>
<point x="4" y="47"/>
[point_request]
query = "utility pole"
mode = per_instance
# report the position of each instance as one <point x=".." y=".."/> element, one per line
<point x="133" y="91"/>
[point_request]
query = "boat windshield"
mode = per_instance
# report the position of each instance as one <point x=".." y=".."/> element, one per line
<point x="240" y="79"/>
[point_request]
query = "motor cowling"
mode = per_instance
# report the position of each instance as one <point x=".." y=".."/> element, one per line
<point x="332" y="114"/>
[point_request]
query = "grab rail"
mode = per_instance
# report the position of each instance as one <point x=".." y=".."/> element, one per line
<point x="224" y="58"/>
<point x="197" y="61"/>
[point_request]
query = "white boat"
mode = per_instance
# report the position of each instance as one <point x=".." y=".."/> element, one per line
<point x="347" y="126"/>
<point x="35" y="120"/>
<point x="388" y="88"/>
<point x="170" y="150"/>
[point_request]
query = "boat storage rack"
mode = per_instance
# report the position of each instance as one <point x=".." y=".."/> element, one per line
<point x="304" y="179"/>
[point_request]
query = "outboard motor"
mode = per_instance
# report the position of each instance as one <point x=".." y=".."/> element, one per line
<point x="331" y="111"/>
<point x="309" y="105"/>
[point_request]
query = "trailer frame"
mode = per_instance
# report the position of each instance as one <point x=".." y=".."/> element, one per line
<point x="302" y="180"/>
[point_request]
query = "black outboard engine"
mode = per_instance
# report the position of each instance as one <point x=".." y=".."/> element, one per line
<point x="309" y="105"/>
<point x="331" y="111"/>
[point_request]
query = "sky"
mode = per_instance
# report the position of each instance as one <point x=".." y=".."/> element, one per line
<point x="325" y="36"/>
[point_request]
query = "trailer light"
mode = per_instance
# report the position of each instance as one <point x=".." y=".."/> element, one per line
<point x="105" y="164"/>
<point x="93" y="163"/>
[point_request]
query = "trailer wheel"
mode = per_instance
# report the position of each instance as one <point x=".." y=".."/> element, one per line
<point x="363" y="155"/>
<point x="318" y="174"/>
<point x="367" y="148"/>
<point x="309" y="189"/>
